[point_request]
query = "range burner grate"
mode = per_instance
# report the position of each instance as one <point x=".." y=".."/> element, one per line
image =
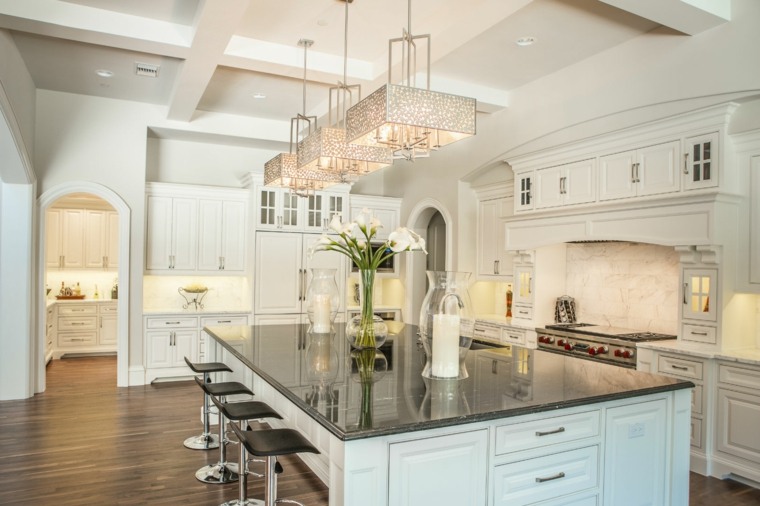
<point x="646" y="335"/>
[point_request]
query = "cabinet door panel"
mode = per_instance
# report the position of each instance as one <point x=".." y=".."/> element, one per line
<point x="233" y="236"/>
<point x="580" y="182"/>
<point x="279" y="279"/>
<point x="209" y="235"/>
<point x="185" y="345"/>
<point x="456" y="464"/>
<point x="72" y="240"/>
<point x="159" y="352"/>
<point x="53" y="231"/>
<point x="738" y="422"/>
<point x="112" y="240"/>
<point x="158" y="233"/>
<point x="185" y="233"/>
<point x="96" y="226"/>
<point x="487" y="241"/>
<point x="700" y="165"/>
<point x="548" y="187"/>
<point x="658" y="169"/>
<point x="616" y="176"/>
<point x="107" y="330"/>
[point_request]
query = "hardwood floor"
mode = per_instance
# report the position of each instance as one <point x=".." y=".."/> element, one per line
<point x="84" y="441"/>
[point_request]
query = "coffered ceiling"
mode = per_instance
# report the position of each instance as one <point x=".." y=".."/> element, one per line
<point x="215" y="56"/>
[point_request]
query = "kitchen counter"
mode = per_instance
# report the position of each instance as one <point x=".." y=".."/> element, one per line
<point x="520" y="416"/>
<point x="193" y="312"/>
<point x="749" y="356"/>
<point x="551" y="382"/>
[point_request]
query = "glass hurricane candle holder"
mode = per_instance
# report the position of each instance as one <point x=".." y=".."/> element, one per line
<point x="446" y="324"/>
<point x="322" y="300"/>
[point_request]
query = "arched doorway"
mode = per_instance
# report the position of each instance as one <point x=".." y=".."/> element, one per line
<point x="115" y="201"/>
<point x="428" y="217"/>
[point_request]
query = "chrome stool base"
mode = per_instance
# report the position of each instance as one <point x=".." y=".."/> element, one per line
<point x="247" y="502"/>
<point x="202" y="442"/>
<point x="218" y="473"/>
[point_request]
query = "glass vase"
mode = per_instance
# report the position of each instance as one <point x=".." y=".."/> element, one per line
<point x="366" y="330"/>
<point x="322" y="300"/>
<point x="446" y="324"/>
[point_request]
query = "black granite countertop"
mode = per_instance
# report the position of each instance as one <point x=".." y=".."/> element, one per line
<point x="319" y="374"/>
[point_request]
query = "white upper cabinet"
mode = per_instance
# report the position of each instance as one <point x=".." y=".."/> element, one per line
<point x="646" y="171"/>
<point x="385" y="209"/>
<point x="700" y="162"/>
<point x="278" y="209"/>
<point x="524" y="191"/>
<point x="101" y="239"/>
<point x="495" y="204"/>
<point x="572" y="183"/>
<point x="221" y="233"/>
<point x="320" y="209"/>
<point x="81" y="239"/>
<point x="191" y="229"/>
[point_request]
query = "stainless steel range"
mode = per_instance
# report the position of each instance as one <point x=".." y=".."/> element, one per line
<point x="613" y="345"/>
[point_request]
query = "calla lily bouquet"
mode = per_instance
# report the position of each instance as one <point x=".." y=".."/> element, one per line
<point x="354" y="241"/>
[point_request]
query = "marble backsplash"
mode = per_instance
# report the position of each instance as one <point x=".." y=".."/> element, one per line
<point x="623" y="284"/>
<point x="225" y="293"/>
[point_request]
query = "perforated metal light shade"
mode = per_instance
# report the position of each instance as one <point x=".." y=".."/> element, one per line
<point x="326" y="149"/>
<point x="283" y="171"/>
<point x="397" y="116"/>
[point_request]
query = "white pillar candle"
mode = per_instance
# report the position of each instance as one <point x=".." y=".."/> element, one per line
<point x="321" y="309"/>
<point x="445" y="363"/>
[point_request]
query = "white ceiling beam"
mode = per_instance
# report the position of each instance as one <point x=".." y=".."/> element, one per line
<point x="216" y="23"/>
<point x="687" y="16"/>
<point x="53" y="18"/>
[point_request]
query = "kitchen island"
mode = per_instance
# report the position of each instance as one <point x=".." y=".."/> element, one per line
<point x="525" y="427"/>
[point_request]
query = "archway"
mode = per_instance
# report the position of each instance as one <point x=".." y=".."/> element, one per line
<point x="122" y="342"/>
<point x="415" y="277"/>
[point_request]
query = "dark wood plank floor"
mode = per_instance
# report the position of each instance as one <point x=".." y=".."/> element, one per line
<point x="84" y="441"/>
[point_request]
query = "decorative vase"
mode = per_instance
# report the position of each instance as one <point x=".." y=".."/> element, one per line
<point x="322" y="300"/>
<point x="367" y="367"/>
<point x="446" y="324"/>
<point x="366" y="330"/>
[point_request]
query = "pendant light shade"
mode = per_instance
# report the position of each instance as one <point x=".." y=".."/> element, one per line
<point x="409" y="120"/>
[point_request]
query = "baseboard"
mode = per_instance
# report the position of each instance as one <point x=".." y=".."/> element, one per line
<point x="698" y="464"/>
<point x="136" y="376"/>
<point x="747" y="473"/>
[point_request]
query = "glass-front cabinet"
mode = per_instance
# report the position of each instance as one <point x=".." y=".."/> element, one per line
<point x="278" y="209"/>
<point x="700" y="162"/>
<point x="699" y="290"/>
<point x="524" y="191"/>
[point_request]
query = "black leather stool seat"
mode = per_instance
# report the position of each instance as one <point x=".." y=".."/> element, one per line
<point x="245" y="410"/>
<point x="224" y="388"/>
<point x="203" y="368"/>
<point x="274" y="442"/>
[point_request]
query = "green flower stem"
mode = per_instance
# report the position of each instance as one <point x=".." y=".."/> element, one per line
<point x="366" y="337"/>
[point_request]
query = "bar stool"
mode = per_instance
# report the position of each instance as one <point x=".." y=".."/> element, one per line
<point x="222" y="471"/>
<point x="243" y="412"/>
<point x="205" y="441"/>
<point x="269" y="443"/>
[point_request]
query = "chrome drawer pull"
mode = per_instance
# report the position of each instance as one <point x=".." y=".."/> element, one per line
<point x="550" y="478"/>
<point x="698" y="333"/>
<point x="555" y="431"/>
<point x="680" y="367"/>
<point x="171" y="323"/>
<point x="224" y="321"/>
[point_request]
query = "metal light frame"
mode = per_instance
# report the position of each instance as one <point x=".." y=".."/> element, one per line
<point x="409" y="120"/>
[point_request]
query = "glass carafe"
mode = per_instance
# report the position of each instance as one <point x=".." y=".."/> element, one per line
<point x="322" y="300"/>
<point x="446" y="324"/>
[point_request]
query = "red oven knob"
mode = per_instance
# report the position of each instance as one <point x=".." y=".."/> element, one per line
<point x="628" y="354"/>
<point x="568" y="346"/>
<point x="618" y="353"/>
<point x="599" y="350"/>
<point x="561" y="342"/>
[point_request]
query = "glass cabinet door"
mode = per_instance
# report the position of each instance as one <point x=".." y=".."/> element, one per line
<point x="700" y="163"/>
<point x="699" y="294"/>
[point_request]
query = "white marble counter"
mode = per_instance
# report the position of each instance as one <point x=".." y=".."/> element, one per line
<point x="192" y="312"/>
<point x="750" y="356"/>
<point x="503" y="321"/>
<point x="50" y="302"/>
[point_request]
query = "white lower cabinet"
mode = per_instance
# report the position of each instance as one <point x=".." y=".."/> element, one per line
<point x="738" y="404"/>
<point x="635" y="454"/>
<point x="84" y="327"/>
<point x="168" y="348"/>
<point x="449" y="469"/>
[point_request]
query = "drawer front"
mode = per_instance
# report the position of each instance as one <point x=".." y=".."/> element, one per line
<point x="524" y="312"/>
<point x="77" y="323"/>
<point x="486" y="331"/>
<point x="681" y="367"/>
<point x="179" y="322"/>
<point x="533" y="480"/>
<point x="739" y="376"/>
<point x="223" y="320"/>
<point x="77" y="338"/>
<point x="699" y="334"/>
<point x="77" y="309"/>
<point x="696" y="433"/>
<point x="513" y="336"/>
<point x="537" y="433"/>
<point x="107" y="308"/>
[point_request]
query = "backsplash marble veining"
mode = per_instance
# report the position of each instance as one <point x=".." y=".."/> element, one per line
<point x="225" y="293"/>
<point x="622" y="284"/>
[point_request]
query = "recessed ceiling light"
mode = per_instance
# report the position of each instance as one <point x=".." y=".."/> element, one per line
<point x="104" y="73"/>
<point x="259" y="95"/>
<point x="525" y="41"/>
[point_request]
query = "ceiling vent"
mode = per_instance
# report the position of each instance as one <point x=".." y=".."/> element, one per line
<point x="146" y="69"/>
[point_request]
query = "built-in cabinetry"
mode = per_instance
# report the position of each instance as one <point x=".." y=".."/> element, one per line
<point x="754" y="234"/>
<point x="85" y="327"/>
<point x="570" y="183"/>
<point x="648" y="170"/>
<point x="195" y="229"/>
<point x="738" y="413"/>
<point x="535" y="290"/>
<point x="701" y="153"/>
<point x="51" y="324"/>
<point x="281" y="209"/>
<point x="169" y="338"/>
<point x="385" y="209"/>
<point x="699" y="294"/>
<point x="495" y="203"/>
<point x="81" y="239"/>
